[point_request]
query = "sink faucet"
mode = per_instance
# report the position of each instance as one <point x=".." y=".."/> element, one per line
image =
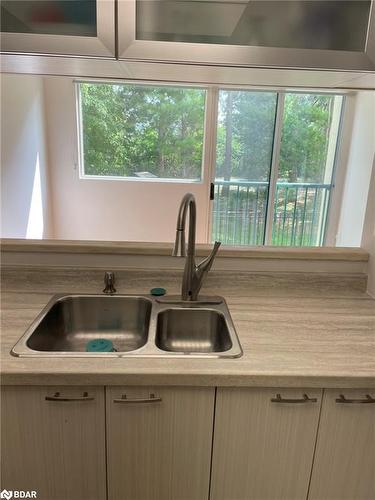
<point x="109" y="282"/>
<point x="193" y="274"/>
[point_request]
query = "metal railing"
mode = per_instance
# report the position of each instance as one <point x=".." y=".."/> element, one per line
<point x="299" y="215"/>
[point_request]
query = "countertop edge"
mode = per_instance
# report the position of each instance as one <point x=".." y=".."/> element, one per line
<point x="319" y="381"/>
<point x="165" y="249"/>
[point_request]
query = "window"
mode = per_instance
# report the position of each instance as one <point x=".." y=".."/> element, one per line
<point x="142" y="131"/>
<point x="308" y="144"/>
<point x="274" y="167"/>
<point x="245" y="135"/>
<point x="275" y="153"/>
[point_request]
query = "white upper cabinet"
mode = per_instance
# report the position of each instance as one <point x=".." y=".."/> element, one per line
<point x="59" y="27"/>
<point x="299" y="34"/>
<point x="280" y="33"/>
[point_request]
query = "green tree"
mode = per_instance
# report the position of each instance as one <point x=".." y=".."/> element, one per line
<point x="246" y="130"/>
<point x="129" y="129"/>
<point x="135" y="128"/>
<point x="305" y="135"/>
<point x="245" y="151"/>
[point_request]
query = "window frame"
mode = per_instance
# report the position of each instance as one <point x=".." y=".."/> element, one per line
<point x="338" y="172"/>
<point x="328" y="228"/>
<point x="79" y="125"/>
<point x="208" y="167"/>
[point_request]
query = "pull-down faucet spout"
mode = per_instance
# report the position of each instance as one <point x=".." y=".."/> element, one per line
<point x="193" y="274"/>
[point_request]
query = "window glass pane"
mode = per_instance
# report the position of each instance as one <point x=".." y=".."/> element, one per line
<point x="304" y="24"/>
<point x="142" y="131"/>
<point x="245" y="132"/>
<point x="49" y="17"/>
<point x="308" y="145"/>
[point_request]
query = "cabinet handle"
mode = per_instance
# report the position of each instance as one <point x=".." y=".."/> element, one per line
<point x="343" y="399"/>
<point x="304" y="399"/>
<point x="57" y="397"/>
<point x="125" y="399"/>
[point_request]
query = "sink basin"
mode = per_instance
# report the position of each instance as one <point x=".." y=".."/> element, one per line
<point x="73" y="321"/>
<point x="192" y="331"/>
<point x="137" y="325"/>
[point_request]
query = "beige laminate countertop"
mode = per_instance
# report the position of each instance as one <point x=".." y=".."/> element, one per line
<point x="301" y="330"/>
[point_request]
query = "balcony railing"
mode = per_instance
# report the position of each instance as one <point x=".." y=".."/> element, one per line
<point x="299" y="215"/>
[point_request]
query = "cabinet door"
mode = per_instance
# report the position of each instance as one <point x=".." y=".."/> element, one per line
<point x="79" y="28"/>
<point x="264" y="443"/>
<point x="55" y="447"/>
<point x="344" y="464"/>
<point x="159" y="442"/>
<point x="250" y="33"/>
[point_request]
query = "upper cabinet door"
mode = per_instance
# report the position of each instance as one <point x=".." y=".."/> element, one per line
<point x="270" y="33"/>
<point x="62" y="27"/>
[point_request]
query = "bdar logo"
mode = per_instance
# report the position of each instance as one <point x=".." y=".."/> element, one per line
<point x="17" y="494"/>
<point x="6" y="494"/>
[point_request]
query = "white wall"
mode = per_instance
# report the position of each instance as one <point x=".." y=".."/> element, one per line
<point x="368" y="240"/>
<point x="25" y="200"/>
<point x="91" y="209"/>
<point x="358" y="173"/>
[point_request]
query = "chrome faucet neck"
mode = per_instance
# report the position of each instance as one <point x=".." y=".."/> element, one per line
<point x="193" y="275"/>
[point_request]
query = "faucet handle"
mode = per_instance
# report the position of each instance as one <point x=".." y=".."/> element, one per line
<point x="206" y="264"/>
<point x="214" y="251"/>
<point x="109" y="281"/>
<point x="216" y="246"/>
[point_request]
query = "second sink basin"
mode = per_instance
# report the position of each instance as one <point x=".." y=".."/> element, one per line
<point x="192" y="330"/>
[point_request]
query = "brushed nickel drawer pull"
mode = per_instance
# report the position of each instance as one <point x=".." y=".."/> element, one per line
<point x="125" y="399"/>
<point x="343" y="399"/>
<point x="57" y="397"/>
<point x="304" y="399"/>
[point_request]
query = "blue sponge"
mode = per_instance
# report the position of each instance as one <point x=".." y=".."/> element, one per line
<point x="99" y="345"/>
<point x="158" y="291"/>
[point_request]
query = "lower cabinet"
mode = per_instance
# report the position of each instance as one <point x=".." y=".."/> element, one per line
<point x="165" y="443"/>
<point x="344" y="465"/>
<point x="53" y="442"/>
<point x="159" y="442"/>
<point x="264" y="443"/>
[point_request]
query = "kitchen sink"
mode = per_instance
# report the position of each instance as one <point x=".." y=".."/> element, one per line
<point x="136" y="325"/>
<point x="73" y="321"/>
<point x="192" y="330"/>
<point x="111" y="324"/>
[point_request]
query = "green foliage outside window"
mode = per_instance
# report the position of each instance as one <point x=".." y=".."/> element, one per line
<point x="148" y="131"/>
<point x="305" y="136"/>
<point x="135" y="129"/>
<point x="248" y="118"/>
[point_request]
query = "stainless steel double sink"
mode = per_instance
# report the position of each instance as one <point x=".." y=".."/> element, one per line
<point x="137" y="325"/>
